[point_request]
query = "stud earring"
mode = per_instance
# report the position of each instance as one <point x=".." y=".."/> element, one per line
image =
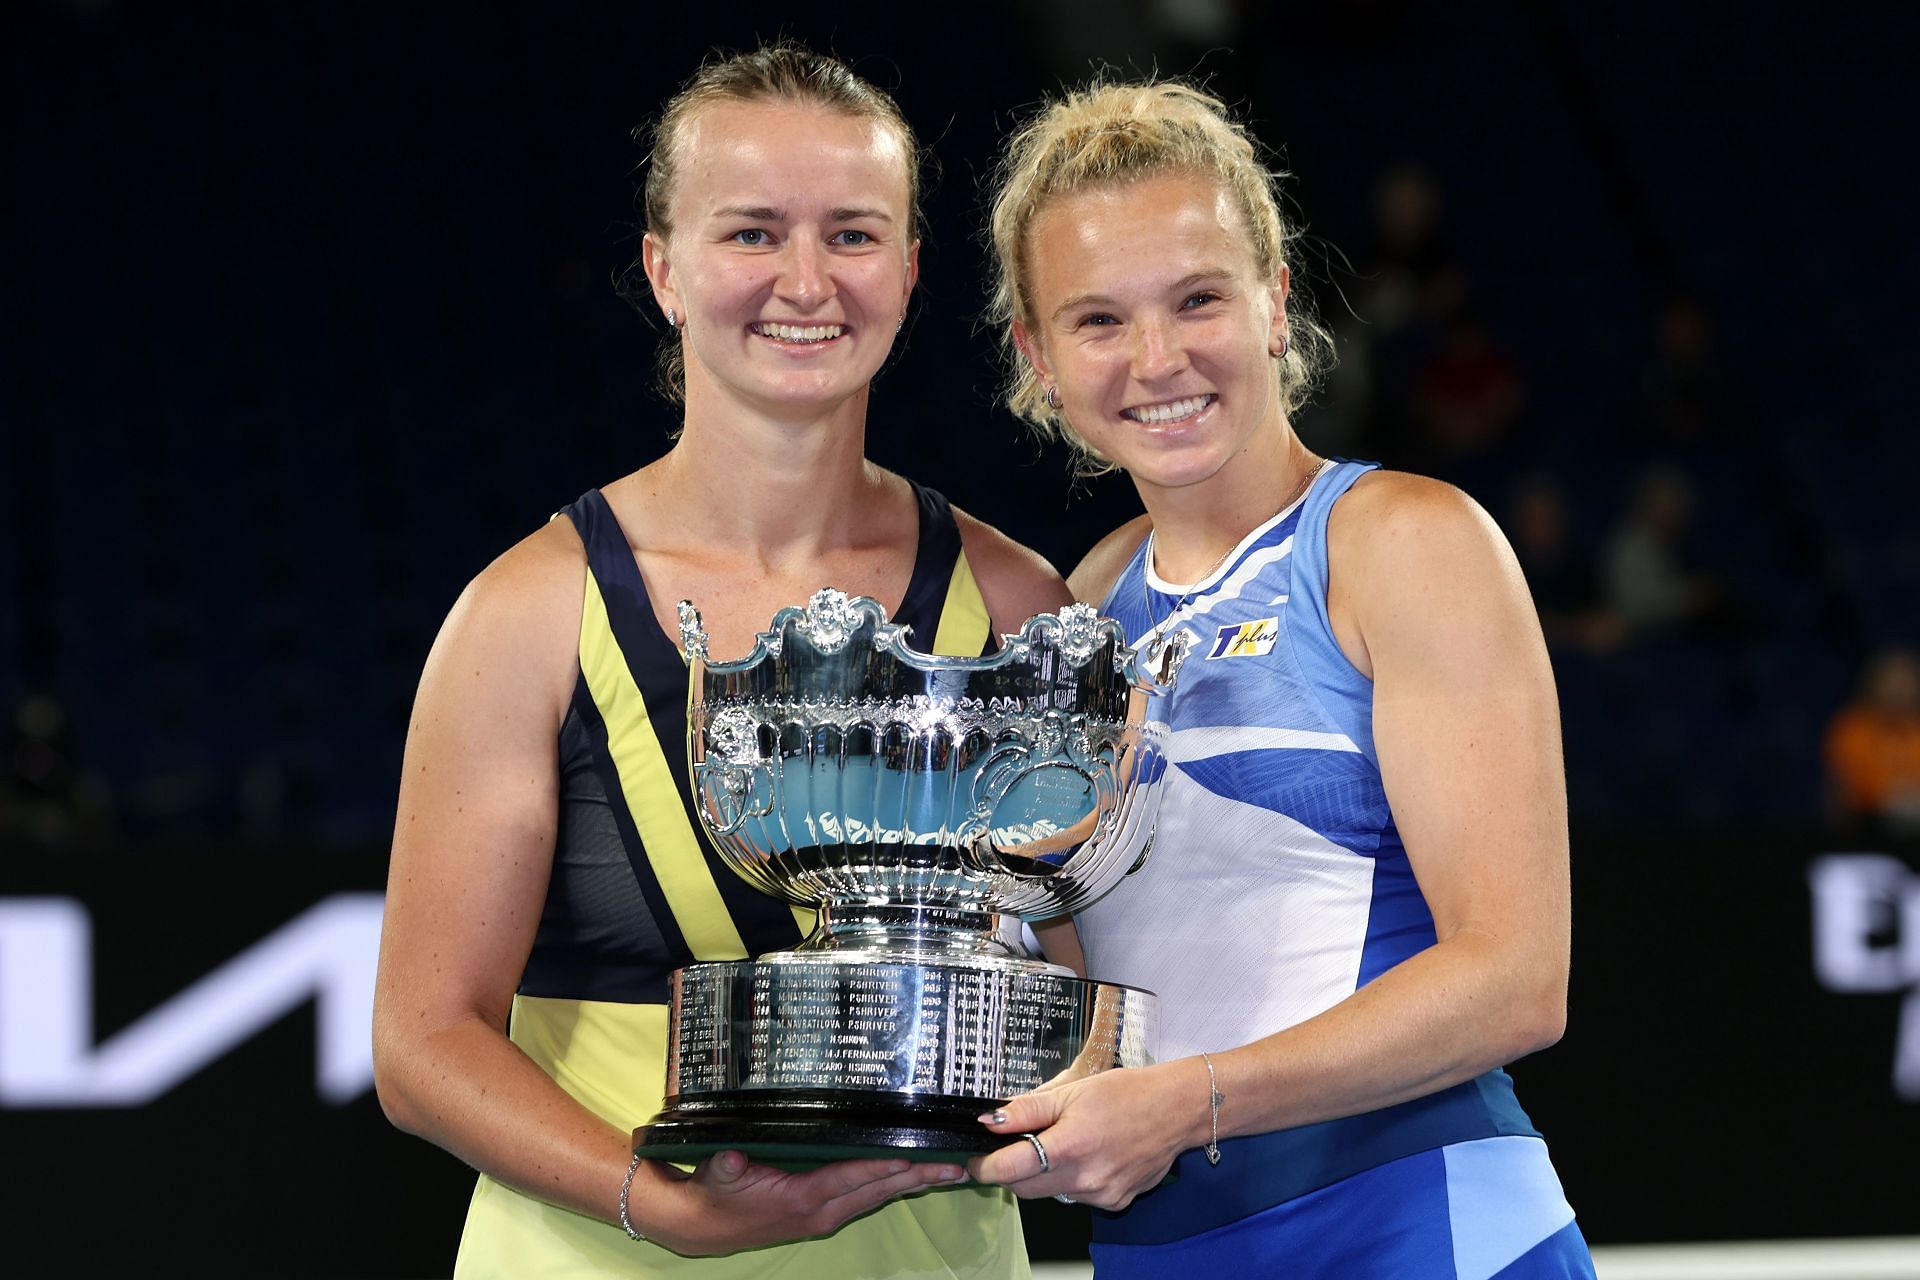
<point x="673" y="321"/>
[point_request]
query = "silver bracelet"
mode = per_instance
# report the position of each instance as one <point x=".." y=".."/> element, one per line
<point x="1214" y="1099"/>
<point x="626" y="1190"/>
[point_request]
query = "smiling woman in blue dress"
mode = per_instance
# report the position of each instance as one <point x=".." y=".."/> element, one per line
<point x="548" y="872"/>
<point x="1358" y="909"/>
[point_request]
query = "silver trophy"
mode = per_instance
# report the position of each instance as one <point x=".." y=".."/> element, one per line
<point x="925" y="806"/>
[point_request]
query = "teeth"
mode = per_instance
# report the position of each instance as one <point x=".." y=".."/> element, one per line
<point x="1171" y="411"/>
<point x="800" y="333"/>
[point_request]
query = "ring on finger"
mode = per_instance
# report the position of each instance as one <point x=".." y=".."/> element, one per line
<point x="1064" y="1198"/>
<point x="1034" y="1138"/>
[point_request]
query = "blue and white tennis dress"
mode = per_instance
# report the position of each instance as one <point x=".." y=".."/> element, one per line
<point x="1279" y="887"/>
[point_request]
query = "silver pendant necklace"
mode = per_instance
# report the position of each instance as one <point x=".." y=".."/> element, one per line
<point x="1313" y="468"/>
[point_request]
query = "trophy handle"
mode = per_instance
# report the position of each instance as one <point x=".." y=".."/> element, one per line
<point x="1158" y="663"/>
<point x="1005" y="765"/>
<point x="1146" y="850"/>
<point x="1005" y="768"/>
<point x="727" y="794"/>
<point x="693" y="636"/>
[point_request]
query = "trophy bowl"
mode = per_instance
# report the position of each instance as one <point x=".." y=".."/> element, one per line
<point x="924" y="806"/>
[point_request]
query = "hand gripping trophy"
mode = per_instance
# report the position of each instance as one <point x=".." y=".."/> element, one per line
<point x="924" y="805"/>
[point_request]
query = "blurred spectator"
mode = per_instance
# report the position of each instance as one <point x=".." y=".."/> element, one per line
<point x="1650" y="581"/>
<point x="1689" y="410"/>
<point x="45" y="798"/>
<point x="1410" y="283"/>
<point x="1559" y="574"/>
<point x="1873" y="748"/>
<point x="1684" y="395"/>
<point x="1467" y="395"/>
<point x="1414" y="278"/>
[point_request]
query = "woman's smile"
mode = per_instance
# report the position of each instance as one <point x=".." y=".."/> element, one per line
<point x="792" y="255"/>
<point x="1168" y="413"/>
<point x="1158" y="327"/>
<point x="798" y="335"/>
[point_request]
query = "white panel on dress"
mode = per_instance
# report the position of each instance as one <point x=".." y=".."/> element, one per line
<point x="1222" y="740"/>
<point x="1243" y="921"/>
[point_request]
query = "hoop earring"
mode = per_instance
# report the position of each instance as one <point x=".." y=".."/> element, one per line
<point x="1053" y="397"/>
<point x="673" y="321"/>
<point x="1286" y="345"/>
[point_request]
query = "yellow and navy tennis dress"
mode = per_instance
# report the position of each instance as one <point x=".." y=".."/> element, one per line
<point x="637" y="891"/>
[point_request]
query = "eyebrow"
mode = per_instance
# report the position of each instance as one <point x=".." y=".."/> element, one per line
<point x="1203" y="276"/>
<point x="768" y="213"/>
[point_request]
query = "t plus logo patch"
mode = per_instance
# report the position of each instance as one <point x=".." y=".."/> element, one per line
<point x="1866" y="938"/>
<point x="1246" y="639"/>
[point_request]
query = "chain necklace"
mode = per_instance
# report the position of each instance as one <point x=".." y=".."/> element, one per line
<point x="1314" y="466"/>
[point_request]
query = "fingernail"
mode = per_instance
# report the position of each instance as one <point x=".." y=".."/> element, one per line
<point x="958" y="1175"/>
<point x="994" y="1117"/>
<point x="899" y="1166"/>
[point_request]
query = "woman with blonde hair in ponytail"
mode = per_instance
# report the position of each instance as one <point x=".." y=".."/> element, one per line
<point x="1357" y="911"/>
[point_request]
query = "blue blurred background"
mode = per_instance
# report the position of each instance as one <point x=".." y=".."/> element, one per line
<point x="312" y="314"/>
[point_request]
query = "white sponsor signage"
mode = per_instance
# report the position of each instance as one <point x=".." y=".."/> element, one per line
<point x="1866" y="938"/>
<point x="48" y="1057"/>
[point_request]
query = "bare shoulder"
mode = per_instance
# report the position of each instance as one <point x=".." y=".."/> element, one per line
<point x="1100" y="568"/>
<point x="1015" y="580"/>
<point x="1394" y="520"/>
<point x="520" y="616"/>
<point x="548" y="559"/>
<point x="475" y="822"/>
<point x="1418" y="571"/>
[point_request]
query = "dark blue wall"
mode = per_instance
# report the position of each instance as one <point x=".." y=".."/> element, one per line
<point x="311" y="315"/>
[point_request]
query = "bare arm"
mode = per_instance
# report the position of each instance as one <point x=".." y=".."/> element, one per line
<point x="1426" y="599"/>
<point x="1429" y="602"/>
<point x="473" y="844"/>
<point x="473" y="849"/>
<point x="1060" y="941"/>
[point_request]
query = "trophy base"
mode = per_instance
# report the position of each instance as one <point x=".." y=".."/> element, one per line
<point x="798" y="1128"/>
<point x="797" y="1059"/>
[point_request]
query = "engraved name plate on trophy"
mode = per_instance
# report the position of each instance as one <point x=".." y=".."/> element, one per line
<point x="925" y="806"/>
